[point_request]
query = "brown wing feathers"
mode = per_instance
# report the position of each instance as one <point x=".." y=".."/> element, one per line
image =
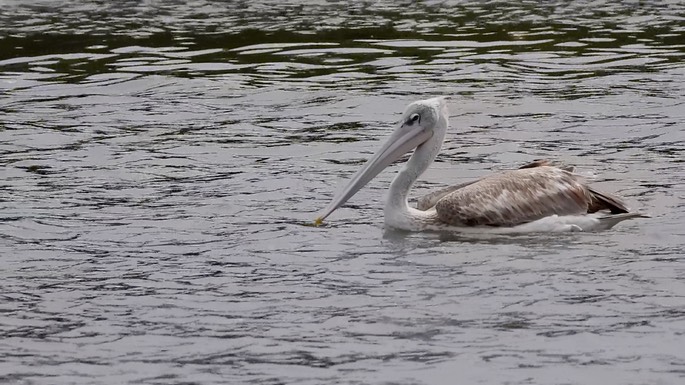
<point x="515" y="197"/>
<point x="534" y="191"/>
<point x="605" y="201"/>
<point x="599" y="200"/>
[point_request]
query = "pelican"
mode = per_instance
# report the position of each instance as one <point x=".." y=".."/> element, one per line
<point x="536" y="197"/>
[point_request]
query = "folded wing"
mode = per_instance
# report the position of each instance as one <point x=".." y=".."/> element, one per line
<point x="515" y="197"/>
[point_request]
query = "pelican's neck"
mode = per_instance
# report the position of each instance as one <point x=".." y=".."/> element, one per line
<point x="399" y="188"/>
<point x="398" y="213"/>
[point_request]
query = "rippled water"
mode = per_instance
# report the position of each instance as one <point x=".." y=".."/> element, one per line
<point x="160" y="160"/>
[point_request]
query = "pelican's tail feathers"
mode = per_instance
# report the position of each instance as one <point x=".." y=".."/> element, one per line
<point x="610" y="220"/>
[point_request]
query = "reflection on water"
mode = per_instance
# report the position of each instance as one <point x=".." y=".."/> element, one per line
<point x="361" y="44"/>
<point x="160" y="158"/>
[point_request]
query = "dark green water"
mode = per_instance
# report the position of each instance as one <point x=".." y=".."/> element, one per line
<point x="159" y="159"/>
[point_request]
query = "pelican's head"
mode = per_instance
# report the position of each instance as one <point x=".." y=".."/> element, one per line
<point x="421" y="121"/>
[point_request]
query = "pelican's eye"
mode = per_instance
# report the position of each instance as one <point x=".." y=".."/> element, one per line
<point x="414" y="118"/>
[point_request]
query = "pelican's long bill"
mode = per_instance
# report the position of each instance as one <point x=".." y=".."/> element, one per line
<point x="406" y="137"/>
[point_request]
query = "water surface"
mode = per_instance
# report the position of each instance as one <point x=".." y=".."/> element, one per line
<point x="160" y="160"/>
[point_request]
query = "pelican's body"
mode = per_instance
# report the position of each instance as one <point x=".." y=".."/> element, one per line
<point x="536" y="197"/>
